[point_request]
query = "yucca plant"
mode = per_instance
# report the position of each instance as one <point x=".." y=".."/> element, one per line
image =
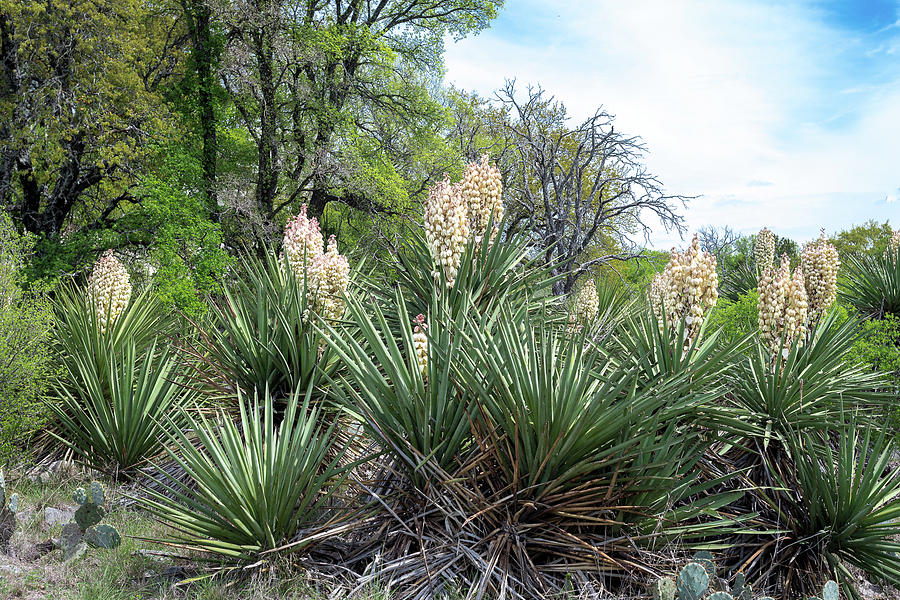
<point x="114" y="415"/>
<point x="871" y="284"/>
<point x="261" y="339"/>
<point x="253" y="486"/>
<point x="738" y="281"/>
<point x="569" y="467"/>
<point x="417" y="415"/>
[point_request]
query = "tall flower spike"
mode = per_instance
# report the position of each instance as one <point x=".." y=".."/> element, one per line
<point x="894" y="242"/>
<point x="446" y="228"/>
<point x="109" y="289"/>
<point x="820" y="266"/>
<point x="764" y="249"/>
<point x="303" y="243"/>
<point x="688" y="288"/>
<point x="585" y="303"/>
<point x="782" y="306"/>
<point x="657" y="294"/>
<point x="482" y="190"/>
<point x="420" y="343"/>
<point x="329" y="280"/>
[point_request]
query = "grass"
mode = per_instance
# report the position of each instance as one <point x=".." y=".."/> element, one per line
<point x="124" y="573"/>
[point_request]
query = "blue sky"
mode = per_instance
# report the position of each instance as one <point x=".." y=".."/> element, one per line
<point x="779" y="114"/>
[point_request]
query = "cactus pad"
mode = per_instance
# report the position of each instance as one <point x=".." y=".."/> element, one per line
<point x="720" y="596"/>
<point x="71" y="541"/>
<point x="830" y="591"/>
<point x="693" y="582"/>
<point x="79" y="496"/>
<point x="103" y="536"/>
<point x="98" y="496"/>
<point x="89" y="514"/>
<point x="664" y="589"/>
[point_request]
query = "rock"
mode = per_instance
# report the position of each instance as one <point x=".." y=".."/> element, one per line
<point x="24" y="515"/>
<point x="55" y="516"/>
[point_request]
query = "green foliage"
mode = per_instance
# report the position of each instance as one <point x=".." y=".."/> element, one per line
<point x="736" y="319"/>
<point x="113" y="414"/>
<point x="871" y="284"/>
<point x="869" y="239"/>
<point x="261" y="339"/>
<point x="25" y="358"/>
<point x="878" y="348"/>
<point x="252" y="485"/>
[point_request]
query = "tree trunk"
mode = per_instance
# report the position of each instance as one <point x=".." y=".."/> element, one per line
<point x="268" y="167"/>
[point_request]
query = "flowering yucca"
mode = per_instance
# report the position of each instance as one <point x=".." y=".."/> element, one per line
<point x="303" y="245"/>
<point x="420" y="342"/>
<point x="585" y="303"/>
<point x="481" y="189"/>
<point x="330" y="275"/>
<point x="820" y="266"/>
<point x="782" y="306"/>
<point x="109" y="288"/>
<point x="325" y="273"/>
<point x="446" y="227"/>
<point x="687" y="288"/>
<point x="764" y="249"/>
<point x="894" y="242"/>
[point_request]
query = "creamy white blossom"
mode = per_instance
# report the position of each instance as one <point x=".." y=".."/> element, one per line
<point x="109" y="289"/>
<point x="482" y="189"/>
<point x="329" y="280"/>
<point x="782" y="306"/>
<point x="585" y="303"/>
<point x="764" y="249"/>
<point x="420" y="343"/>
<point x="820" y="263"/>
<point x="446" y="227"/>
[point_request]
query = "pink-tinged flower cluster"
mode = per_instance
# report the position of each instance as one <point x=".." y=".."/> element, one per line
<point x="782" y="307"/>
<point x="820" y="263"/>
<point x="687" y="289"/>
<point x="326" y="273"/>
<point x="446" y="228"/>
<point x="764" y="249"/>
<point x="109" y="289"/>
<point x="482" y="190"/>
<point x="420" y="343"/>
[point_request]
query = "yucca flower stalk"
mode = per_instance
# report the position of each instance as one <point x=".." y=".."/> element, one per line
<point x="764" y="250"/>
<point x="782" y="307"/>
<point x="420" y="342"/>
<point x="585" y="304"/>
<point x="482" y="189"/>
<point x="326" y="274"/>
<point x="687" y="289"/>
<point x="820" y="263"/>
<point x="893" y="243"/>
<point x="446" y="228"/>
<point x="109" y="288"/>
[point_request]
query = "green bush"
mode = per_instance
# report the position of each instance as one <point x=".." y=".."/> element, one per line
<point x="735" y="318"/>
<point x="25" y="365"/>
<point x="879" y="349"/>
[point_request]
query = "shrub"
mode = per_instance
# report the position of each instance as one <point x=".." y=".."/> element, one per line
<point x="878" y="348"/>
<point x="251" y="486"/>
<point x="25" y="360"/>
<point x="736" y="318"/>
<point x="114" y="415"/>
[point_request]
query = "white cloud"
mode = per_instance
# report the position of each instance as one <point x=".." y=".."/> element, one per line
<point x="726" y="95"/>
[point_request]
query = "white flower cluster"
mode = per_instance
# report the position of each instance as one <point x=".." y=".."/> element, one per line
<point x="687" y="289"/>
<point x="782" y="306"/>
<point x="820" y="266"/>
<point x="109" y="288"/>
<point x="482" y="189"/>
<point x="330" y="278"/>
<point x="585" y="304"/>
<point x="326" y="273"/>
<point x="894" y="242"/>
<point x="446" y="227"/>
<point x="764" y="249"/>
<point x="420" y="342"/>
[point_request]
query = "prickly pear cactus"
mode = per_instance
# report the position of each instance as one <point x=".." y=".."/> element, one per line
<point x="720" y="596"/>
<point x="86" y="530"/>
<point x="741" y="590"/>
<point x="693" y="582"/>
<point x="663" y="589"/>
